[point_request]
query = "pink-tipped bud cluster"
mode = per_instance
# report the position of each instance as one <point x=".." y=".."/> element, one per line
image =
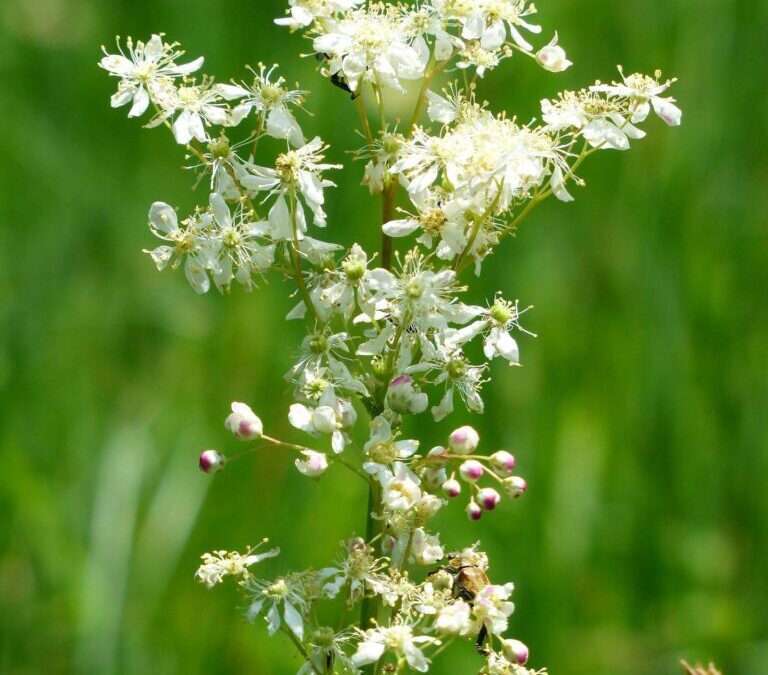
<point x="211" y="461"/>
<point x="474" y="511"/>
<point x="503" y="461"/>
<point x="515" y="651"/>
<point x="464" y="440"/>
<point x="452" y="488"/>
<point x="243" y="422"/>
<point x="471" y="470"/>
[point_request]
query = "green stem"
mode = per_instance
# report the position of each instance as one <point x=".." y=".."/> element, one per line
<point x="296" y="259"/>
<point x="301" y="648"/>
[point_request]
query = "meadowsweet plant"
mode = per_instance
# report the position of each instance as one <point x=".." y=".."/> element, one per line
<point x="386" y="330"/>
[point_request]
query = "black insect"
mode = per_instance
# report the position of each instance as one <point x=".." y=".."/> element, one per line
<point x="337" y="79"/>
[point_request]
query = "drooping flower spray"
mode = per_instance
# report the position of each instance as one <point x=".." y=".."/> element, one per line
<point x="386" y="332"/>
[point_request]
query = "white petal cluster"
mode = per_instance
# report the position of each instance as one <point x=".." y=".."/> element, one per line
<point x="146" y="71"/>
<point x="375" y="45"/>
<point x="220" y="564"/>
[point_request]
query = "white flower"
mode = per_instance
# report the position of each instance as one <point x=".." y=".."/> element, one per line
<point x="359" y="569"/>
<point x="146" y="69"/>
<point x="372" y="45"/>
<point x="314" y="464"/>
<point x="456" y="373"/>
<point x="489" y="20"/>
<point x="297" y="172"/>
<point x="400" y="488"/>
<point x="195" y="106"/>
<point x="426" y="548"/>
<point x="398" y="639"/>
<point x="552" y="57"/>
<point x="270" y="99"/>
<point x="303" y="13"/>
<point x="234" y="249"/>
<point x="643" y="93"/>
<point x="492" y="607"/>
<point x="288" y="591"/>
<point x="455" y="619"/>
<point x="243" y="422"/>
<point x="189" y="244"/>
<point x="221" y="564"/>
<point x="324" y="419"/>
<point x="382" y="449"/>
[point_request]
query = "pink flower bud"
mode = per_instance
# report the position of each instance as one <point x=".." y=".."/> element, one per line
<point x="452" y="488"/>
<point x="515" y="486"/>
<point x="471" y="470"/>
<point x="314" y="465"/>
<point x="211" y="461"/>
<point x="504" y="461"/>
<point x="488" y="498"/>
<point x="515" y="651"/>
<point x="474" y="512"/>
<point x="464" y="440"/>
<point x="243" y="422"/>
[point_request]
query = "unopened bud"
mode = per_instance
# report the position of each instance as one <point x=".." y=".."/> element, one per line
<point x="515" y="486"/>
<point x="488" y="498"/>
<point x="436" y="453"/>
<point x="243" y="422"/>
<point x="211" y="461"/>
<point x="471" y="470"/>
<point x="314" y="465"/>
<point x="553" y="58"/>
<point x="515" y="651"/>
<point x="474" y="512"/>
<point x="452" y="488"/>
<point x="324" y="419"/>
<point x="503" y="460"/>
<point x="464" y="440"/>
<point x="404" y="398"/>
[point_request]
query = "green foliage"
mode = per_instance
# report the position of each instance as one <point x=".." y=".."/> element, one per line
<point x="639" y="418"/>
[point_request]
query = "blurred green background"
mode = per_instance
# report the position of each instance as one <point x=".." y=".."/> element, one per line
<point x="639" y="418"/>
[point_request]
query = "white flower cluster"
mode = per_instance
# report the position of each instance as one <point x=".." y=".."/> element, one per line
<point x="387" y="336"/>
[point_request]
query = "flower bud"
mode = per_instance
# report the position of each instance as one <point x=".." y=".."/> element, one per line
<point x="464" y="440"/>
<point x="437" y="452"/>
<point x="452" y="488"/>
<point x="404" y="398"/>
<point x="243" y="422"/>
<point x="488" y="498"/>
<point x="324" y="419"/>
<point x="515" y="651"/>
<point x="211" y="461"/>
<point x="471" y="470"/>
<point x="503" y="460"/>
<point x="347" y="414"/>
<point x="552" y="58"/>
<point x="314" y="465"/>
<point x="515" y="486"/>
<point x="474" y="512"/>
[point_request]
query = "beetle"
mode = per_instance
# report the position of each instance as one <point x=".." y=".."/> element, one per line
<point x="466" y="581"/>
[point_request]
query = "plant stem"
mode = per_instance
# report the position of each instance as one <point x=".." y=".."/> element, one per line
<point x="296" y="259"/>
<point x="300" y="647"/>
